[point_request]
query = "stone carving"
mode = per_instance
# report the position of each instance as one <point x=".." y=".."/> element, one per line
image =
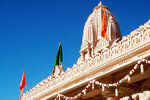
<point x="58" y="70"/>
<point x="92" y="41"/>
<point x="138" y="96"/>
<point x="115" y="51"/>
<point x="97" y="54"/>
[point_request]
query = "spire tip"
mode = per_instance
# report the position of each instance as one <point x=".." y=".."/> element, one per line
<point x="100" y="3"/>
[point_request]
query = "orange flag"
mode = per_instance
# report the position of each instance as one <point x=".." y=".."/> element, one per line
<point x="22" y="84"/>
<point x="104" y="26"/>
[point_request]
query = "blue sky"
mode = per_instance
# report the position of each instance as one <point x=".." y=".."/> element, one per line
<point x="30" y="32"/>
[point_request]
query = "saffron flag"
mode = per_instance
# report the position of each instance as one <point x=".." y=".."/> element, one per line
<point x="58" y="59"/>
<point x="22" y="84"/>
<point x="104" y="26"/>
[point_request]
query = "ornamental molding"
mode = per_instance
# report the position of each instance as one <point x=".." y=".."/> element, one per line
<point x="135" y="45"/>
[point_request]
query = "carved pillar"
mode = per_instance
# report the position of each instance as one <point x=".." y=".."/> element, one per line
<point x="112" y="29"/>
<point x="109" y="28"/>
<point x="99" y="23"/>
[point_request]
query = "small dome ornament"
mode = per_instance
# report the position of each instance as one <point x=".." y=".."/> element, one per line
<point x="100" y="3"/>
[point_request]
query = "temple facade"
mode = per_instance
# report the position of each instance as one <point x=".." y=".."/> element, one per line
<point x="112" y="68"/>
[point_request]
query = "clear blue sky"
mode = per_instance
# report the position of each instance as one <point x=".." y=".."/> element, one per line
<point x="30" y="32"/>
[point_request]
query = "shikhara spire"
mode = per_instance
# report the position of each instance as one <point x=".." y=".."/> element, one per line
<point x="101" y="64"/>
<point x="100" y="31"/>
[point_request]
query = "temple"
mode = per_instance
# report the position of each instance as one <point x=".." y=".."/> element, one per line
<point x="109" y="68"/>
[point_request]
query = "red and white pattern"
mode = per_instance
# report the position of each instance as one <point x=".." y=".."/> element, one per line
<point x="103" y="85"/>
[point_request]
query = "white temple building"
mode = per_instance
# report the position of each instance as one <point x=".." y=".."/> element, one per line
<point x="113" y="68"/>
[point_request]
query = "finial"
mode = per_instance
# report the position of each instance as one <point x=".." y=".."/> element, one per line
<point x="59" y="43"/>
<point x="100" y="3"/>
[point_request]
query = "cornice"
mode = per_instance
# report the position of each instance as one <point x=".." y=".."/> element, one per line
<point x="130" y="47"/>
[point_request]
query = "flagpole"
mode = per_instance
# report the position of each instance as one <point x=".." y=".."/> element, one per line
<point x="26" y="89"/>
<point x="59" y="43"/>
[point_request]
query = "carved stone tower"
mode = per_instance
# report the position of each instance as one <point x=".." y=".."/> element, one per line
<point x="92" y="41"/>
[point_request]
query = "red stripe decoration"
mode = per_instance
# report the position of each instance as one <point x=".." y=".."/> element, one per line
<point x="103" y="85"/>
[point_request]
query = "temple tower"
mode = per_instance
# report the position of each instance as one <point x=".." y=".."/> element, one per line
<point x="109" y="67"/>
<point x="92" y="41"/>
